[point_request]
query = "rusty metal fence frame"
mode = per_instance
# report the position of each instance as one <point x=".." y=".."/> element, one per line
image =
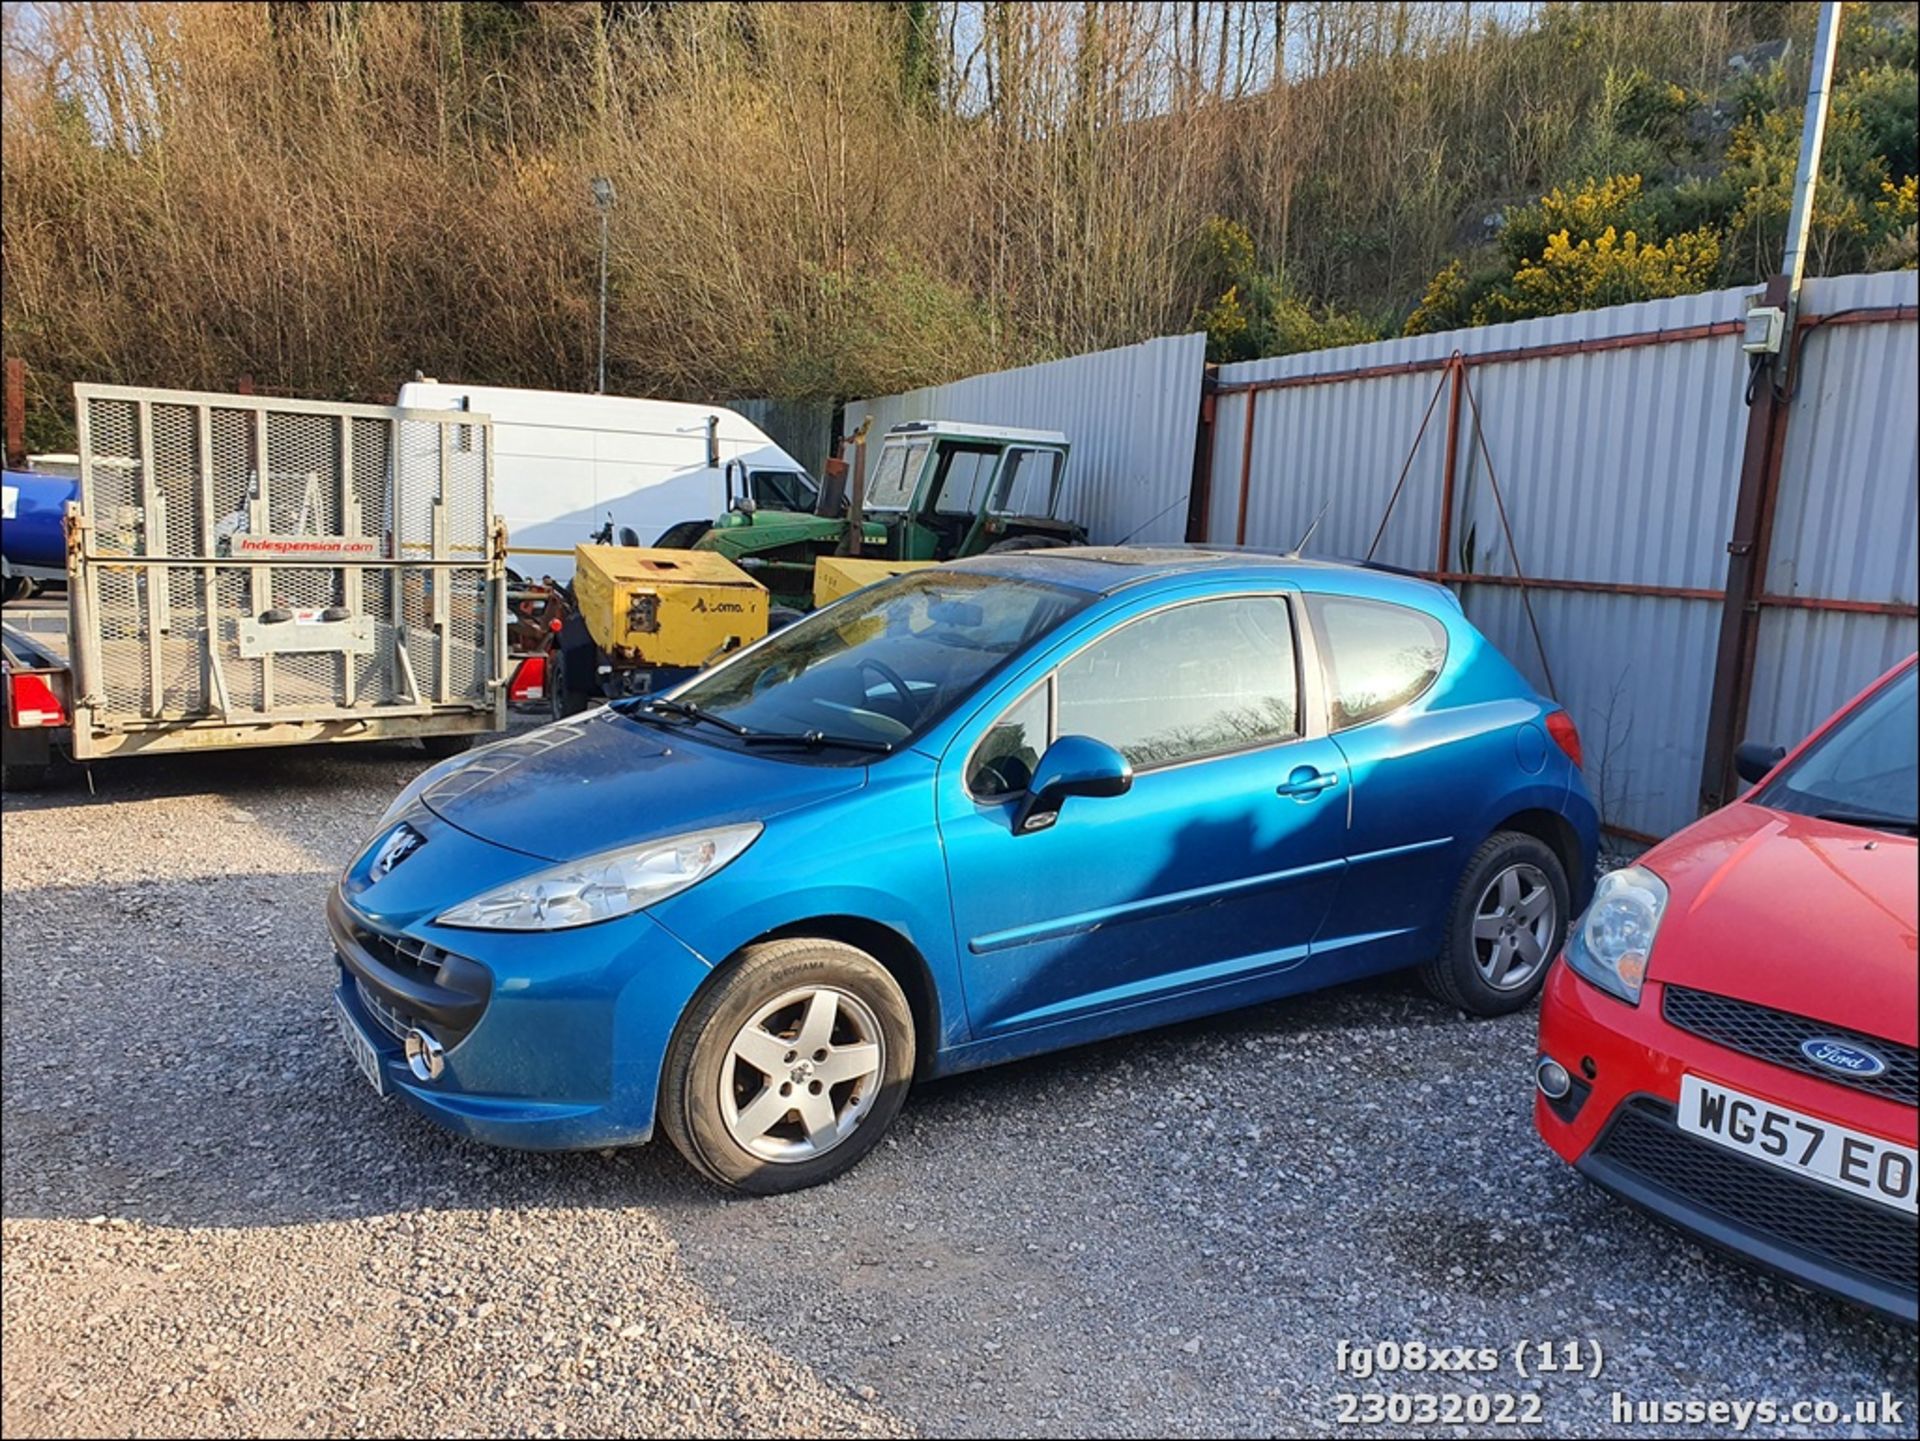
<point x="1743" y="599"/>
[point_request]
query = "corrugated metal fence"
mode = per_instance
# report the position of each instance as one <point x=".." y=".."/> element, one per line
<point x="1131" y="414"/>
<point x="802" y="428"/>
<point x="1613" y="441"/>
<point x="1607" y="445"/>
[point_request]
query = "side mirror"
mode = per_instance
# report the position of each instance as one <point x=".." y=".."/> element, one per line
<point x="1072" y="766"/>
<point x="1753" y="759"/>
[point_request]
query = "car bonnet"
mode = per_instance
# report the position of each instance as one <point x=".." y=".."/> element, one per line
<point x="604" y="780"/>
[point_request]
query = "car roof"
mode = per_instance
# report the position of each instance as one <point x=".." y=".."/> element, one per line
<point x="1104" y="569"/>
<point x="965" y="431"/>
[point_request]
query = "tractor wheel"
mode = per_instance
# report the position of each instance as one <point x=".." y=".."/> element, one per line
<point x="779" y="617"/>
<point x="1024" y="542"/>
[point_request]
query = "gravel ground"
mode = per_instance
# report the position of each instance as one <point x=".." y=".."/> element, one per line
<point x="213" y="1227"/>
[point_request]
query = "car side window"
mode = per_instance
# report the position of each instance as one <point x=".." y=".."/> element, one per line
<point x="1003" y="762"/>
<point x="1377" y="656"/>
<point x="1198" y="679"/>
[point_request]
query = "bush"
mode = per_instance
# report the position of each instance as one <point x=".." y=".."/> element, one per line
<point x="1869" y="110"/>
<point x="1896" y="212"/>
<point x="1455" y="298"/>
<point x="1612" y="269"/>
<point x="1258" y="313"/>
<point x="1595" y="207"/>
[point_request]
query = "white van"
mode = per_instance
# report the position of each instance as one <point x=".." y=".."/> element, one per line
<point x="564" y="463"/>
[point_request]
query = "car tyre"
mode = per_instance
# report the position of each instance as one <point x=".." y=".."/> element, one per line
<point x="770" y="990"/>
<point x="1495" y="953"/>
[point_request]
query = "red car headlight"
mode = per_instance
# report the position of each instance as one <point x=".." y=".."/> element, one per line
<point x="1610" y="944"/>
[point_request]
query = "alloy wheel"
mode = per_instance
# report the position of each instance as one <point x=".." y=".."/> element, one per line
<point x="1513" y="927"/>
<point x="802" y="1074"/>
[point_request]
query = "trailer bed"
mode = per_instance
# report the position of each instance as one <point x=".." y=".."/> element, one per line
<point x="246" y="571"/>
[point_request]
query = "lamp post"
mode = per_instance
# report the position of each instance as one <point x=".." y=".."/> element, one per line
<point x="603" y="202"/>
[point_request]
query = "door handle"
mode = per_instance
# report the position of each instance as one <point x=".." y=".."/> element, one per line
<point x="1305" y="783"/>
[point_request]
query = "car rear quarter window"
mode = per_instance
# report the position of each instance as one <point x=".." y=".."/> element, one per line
<point x="1197" y="679"/>
<point x="1377" y="656"/>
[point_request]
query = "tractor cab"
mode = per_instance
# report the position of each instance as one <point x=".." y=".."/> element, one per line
<point x="936" y="490"/>
<point x="944" y="489"/>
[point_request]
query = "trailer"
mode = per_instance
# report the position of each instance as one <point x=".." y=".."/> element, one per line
<point x="256" y="571"/>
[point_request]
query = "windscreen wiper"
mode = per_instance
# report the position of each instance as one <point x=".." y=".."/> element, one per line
<point x="1870" y="821"/>
<point x="695" y="713"/>
<point x="810" y="739"/>
<point x="814" y="739"/>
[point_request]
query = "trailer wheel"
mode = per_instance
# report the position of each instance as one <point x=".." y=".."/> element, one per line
<point x="562" y="702"/>
<point x="25" y="777"/>
<point x="779" y="617"/>
<point x="572" y="666"/>
<point x="18" y="587"/>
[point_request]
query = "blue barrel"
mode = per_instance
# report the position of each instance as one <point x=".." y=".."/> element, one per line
<point x="30" y="520"/>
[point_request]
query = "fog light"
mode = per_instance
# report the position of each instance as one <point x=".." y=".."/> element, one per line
<point x="427" y="1058"/>
<point x="1550" y="1076"/>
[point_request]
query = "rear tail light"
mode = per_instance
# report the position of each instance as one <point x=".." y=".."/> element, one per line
<point x="33" y="701"/>
<point x="529" y="680"/>
<point x="1561" y="727"/>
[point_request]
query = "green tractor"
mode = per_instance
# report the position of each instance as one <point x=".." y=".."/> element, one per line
<point x="938" y="490"/>
<point x="640" y="619"/>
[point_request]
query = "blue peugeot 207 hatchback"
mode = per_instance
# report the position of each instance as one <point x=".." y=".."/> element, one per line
<point x="972" y="813"/>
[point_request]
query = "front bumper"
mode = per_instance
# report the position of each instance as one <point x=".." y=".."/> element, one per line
<point x="554" y="1040"/>
<point x="1618" y="1129"/>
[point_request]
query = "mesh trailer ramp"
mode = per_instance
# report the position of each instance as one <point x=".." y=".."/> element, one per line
<point x="249" y="570"/>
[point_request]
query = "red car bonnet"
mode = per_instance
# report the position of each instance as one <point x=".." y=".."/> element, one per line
<point x="1803" y="915"/>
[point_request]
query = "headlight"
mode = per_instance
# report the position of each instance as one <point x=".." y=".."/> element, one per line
<point x="598" y="888"/>
<point x="1610" y="944"/>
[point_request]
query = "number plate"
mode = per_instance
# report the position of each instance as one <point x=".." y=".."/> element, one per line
<point x="361" y="1049"/>
<point x="1848" y="1160"/>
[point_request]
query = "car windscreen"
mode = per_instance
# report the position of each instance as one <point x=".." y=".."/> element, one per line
<point x="1866" y="770"/>
<point x="885" y="663"/>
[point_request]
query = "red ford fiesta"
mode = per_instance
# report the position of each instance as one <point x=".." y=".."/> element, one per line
<point x="1728" y="1038"/>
